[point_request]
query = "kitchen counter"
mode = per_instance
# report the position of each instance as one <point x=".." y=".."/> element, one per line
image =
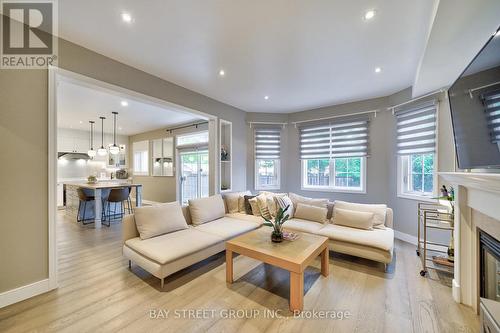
<point x="94" y="208"/>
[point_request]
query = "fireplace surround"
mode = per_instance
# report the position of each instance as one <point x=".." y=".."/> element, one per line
<point x="477" y="210"/>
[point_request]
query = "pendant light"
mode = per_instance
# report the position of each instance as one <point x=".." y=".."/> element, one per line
<point x="102" y="151"/>
<point x="91" y="151"/>
<point x="114" y="149"/>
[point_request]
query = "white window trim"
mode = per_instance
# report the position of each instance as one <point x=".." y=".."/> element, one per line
<point x="256" y="176"/>
<point x="361" y="190"/>
<point x="401" y="193"/>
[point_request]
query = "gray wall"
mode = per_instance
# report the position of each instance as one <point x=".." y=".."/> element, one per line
<point x="23" y="143"/>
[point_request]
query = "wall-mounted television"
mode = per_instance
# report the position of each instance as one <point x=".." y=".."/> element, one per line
<point x="475" y="110"/>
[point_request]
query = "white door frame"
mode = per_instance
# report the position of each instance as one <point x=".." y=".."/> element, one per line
<point x="55" y="75"/>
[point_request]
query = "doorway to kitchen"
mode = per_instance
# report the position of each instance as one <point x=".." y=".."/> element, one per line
<point x="81" y="144"/>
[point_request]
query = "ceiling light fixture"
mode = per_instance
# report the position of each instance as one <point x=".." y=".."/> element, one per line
<point x="126" y="17"/>
<point x="114" y="149"/>
<point x="266" y="97"/>
<point x="91" y="151"/>
<point x="102" y="151"/>
<point x="378" y="70"/>
<point x="222" y="72"/>
<point x="124" y="103"/>
<point x="369" y="14"/>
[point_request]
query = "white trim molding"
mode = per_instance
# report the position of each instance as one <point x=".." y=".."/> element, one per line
<point x="20" y="294"/>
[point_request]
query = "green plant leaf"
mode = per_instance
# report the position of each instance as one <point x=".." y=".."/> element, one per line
<point x="269" y="224"/>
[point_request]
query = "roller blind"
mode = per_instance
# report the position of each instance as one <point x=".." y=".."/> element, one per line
<point x="340" y="138"/>
<point x="416" y="129"/>
<point x="491" y="103"/>
<point x="267" y="143"/>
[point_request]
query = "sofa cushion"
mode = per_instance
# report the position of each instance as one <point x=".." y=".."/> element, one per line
<point x="232" y="201"/>
<point x="170" y="247"/>
<point x="160" y="219"/>
<point x="353" y="218"/>
<point x="308" y="201"/>
<point x="311" y="213"/>
<point x="228" y="227"/>
<point x="382" y="239"/>
<point x="245" y="217"/>
<point x="203" y="210"/>
<point x="254" y="206"/>
<point x="248" y="207"/>
<point x="303" y="225"/>
<point x="378" y="210"/>
<point x="262" y="204"/>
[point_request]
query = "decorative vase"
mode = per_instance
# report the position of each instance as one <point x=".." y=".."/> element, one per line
<point x="276" y="237"/>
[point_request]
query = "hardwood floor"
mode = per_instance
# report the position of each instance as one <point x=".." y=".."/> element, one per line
<point x="98" y="293"/>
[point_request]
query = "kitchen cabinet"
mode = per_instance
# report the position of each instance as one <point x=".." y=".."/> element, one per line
<point x="70" y="144"/>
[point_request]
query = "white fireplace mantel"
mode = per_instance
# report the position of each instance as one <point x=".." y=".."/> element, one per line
<point x="477" y="205"/>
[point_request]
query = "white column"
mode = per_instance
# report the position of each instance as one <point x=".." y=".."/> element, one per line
<point x="97" y="207"/>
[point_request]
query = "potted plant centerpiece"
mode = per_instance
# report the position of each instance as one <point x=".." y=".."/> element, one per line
<point x="277" y="224"/>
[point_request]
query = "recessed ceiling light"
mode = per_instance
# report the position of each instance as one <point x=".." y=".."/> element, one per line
<point x="126" y="17"/>
<point x="222" y="72"/>
<point x="81" y="122"/>
<point x="120" y="128"/>
<point x="266" y="97"/>
<point x="378" y="70"/>
<point x="124" y="103"/>
<point x="370" y="14"/>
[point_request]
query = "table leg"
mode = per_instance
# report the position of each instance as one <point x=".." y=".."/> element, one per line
<point x="229" y="266"/>
<point x="138" y="196"/>
<point x="296" y="291"/>
<point x="325" y="266"/>
<point x="97" y="208"/>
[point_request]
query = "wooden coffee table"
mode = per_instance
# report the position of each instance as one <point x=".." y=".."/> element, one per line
<point x="293" y="256"/>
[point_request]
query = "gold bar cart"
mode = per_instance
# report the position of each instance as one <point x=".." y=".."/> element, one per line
<point x="433" y="216"/>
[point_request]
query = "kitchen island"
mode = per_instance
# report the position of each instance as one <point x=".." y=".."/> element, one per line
<point x="72" y="200"/>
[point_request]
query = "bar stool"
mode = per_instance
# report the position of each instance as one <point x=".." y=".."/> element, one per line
<point x="117" y="195"/>
<point x="83" y="199"/>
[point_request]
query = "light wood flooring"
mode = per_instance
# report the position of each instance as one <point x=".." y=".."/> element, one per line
<point x="98" y="293"/>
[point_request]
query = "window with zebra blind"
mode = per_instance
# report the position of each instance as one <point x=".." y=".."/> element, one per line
<point x="416" y="148"/>
<point x="267" y="143"/>
<point x="334" y="155"/>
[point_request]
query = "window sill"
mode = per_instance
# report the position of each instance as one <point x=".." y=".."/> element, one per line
<point x="273" y="188"/>
<point x="336" y="190"/>
<point x="416" y="197"/>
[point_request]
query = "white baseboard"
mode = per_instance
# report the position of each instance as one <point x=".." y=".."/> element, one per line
<point x="405" y="237"/>
<point x="19" y="294"/>
<point x="413" y="240"/>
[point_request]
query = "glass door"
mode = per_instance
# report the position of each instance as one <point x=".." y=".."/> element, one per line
<point x="193" y="174"/>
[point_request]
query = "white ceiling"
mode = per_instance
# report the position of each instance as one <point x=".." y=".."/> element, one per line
<point x="459" y="31"/>
<point x="303" y="54"/>
<point x="77" y="104"/>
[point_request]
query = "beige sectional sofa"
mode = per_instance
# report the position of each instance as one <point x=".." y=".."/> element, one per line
<point x="168" y="253"/>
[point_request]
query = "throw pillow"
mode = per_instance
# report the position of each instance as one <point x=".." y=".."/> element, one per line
<point x="204" y="210"/>
<point x="159" y="219"/>
<point x="271" y="204"/>
<point x="262" y="204"/>
<point x="353" y="218"/>
<point x="241" y="201"/>
<point x="254" y="205"/>
<point x="379" y="211"/>
<point x="282" y="202"/>
<point x="232" y="201"/>
<point x="308" y="201"/>
<point x="311" y="213"/>
<point x="248" y="207"/>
